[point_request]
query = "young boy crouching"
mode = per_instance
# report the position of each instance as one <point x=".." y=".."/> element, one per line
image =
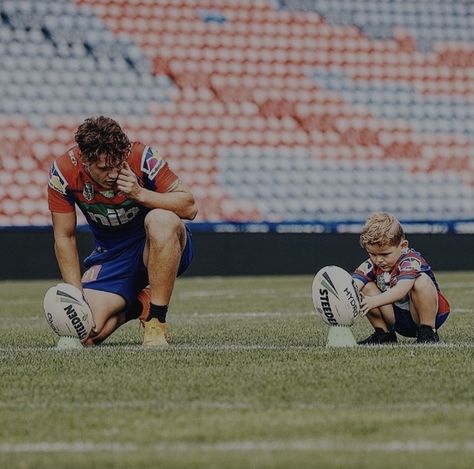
<point x="400" y="291"/>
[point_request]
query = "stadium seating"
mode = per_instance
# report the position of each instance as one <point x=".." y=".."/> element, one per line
<point x="289" y="110"/>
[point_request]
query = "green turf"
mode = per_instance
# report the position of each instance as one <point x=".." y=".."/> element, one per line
<point x="247" y="383"/>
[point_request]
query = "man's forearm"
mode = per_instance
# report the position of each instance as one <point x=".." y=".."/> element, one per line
<point x="68" y="260"/>
<point x="181" y="203"/>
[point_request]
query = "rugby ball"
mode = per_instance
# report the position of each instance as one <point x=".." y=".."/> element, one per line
<point x="336" y="297"/>
<point x="66" y="311"/>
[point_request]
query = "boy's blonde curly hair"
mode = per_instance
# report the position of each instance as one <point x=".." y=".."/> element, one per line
<point x="382" y="229"/>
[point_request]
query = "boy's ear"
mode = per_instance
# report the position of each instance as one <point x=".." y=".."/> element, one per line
<point x="404" y="244"/>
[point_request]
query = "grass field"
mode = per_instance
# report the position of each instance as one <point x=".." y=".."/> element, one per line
<point x="247" y="383"/>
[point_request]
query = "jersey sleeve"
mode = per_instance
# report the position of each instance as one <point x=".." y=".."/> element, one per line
<point x="58" y="198"/>
<point x="365" y="272"/>
<point x="157" y="175"/>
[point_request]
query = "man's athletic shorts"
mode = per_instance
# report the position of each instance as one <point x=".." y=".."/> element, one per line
<point x="405" y="325"/>
<point x="121" y="269"/>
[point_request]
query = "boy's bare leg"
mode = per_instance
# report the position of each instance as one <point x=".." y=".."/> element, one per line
<point x="424" y="301"/>
<point x="382" y="317"/>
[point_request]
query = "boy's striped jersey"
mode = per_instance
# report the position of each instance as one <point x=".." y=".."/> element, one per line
<point x="409" y="266"/>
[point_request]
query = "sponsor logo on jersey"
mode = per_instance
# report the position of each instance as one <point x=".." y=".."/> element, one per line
<point x="56" y="180"/>
<point x="151" y="164"/>
<point x="72" y="157"/>
<point x="410" y="264"/>
<point x="88" y="191"/>
<point x="108" y="216"/>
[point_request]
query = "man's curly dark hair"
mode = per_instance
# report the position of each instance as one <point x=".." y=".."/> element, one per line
<point x="102" y="136"/>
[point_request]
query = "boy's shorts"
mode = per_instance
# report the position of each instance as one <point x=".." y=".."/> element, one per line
<point x="405" y="325"/>
<point x="124" y="272"/>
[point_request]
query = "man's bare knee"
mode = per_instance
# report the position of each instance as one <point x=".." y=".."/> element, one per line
<point x="161" y="224"/>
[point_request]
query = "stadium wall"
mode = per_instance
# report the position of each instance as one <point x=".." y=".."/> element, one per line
<point x="29" y="254"/>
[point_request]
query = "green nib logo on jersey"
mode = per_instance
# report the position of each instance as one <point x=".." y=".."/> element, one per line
<point x="326" y="282"/>
<point x="110" y="215"/>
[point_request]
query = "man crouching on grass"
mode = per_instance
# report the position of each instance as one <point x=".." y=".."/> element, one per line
<point x="134" y="205"/>
<point x="399" y="287"/>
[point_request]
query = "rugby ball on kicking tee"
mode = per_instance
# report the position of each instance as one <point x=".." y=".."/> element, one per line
<point x="336" y="297"/>
<point x="66" y="311"/>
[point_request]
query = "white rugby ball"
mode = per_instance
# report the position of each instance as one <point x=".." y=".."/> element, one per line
<point x="66" y="311"/>
<point x="336" y="297"/>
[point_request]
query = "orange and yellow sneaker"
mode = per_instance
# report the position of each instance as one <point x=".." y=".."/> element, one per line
<point x="156" y="333"/>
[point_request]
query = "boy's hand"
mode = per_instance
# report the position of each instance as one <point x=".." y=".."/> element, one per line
<point x="367" y="304"/>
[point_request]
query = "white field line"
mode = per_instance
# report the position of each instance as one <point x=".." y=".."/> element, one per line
<point x="131" y="404"/>
<point x="298" y="291"/>
<point x="231" y="293"/>
<point x="210" y="405"/>
<point x="231" y="348"/>
<point x="246" y="314"/>
<point x="241" y="446"/>
<point x="184" y="347"/>
<point x="20" y="301"/>
<point x="256" y="314"/>
<point x="228" y="292"/>
<point x="219" y="314"/>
